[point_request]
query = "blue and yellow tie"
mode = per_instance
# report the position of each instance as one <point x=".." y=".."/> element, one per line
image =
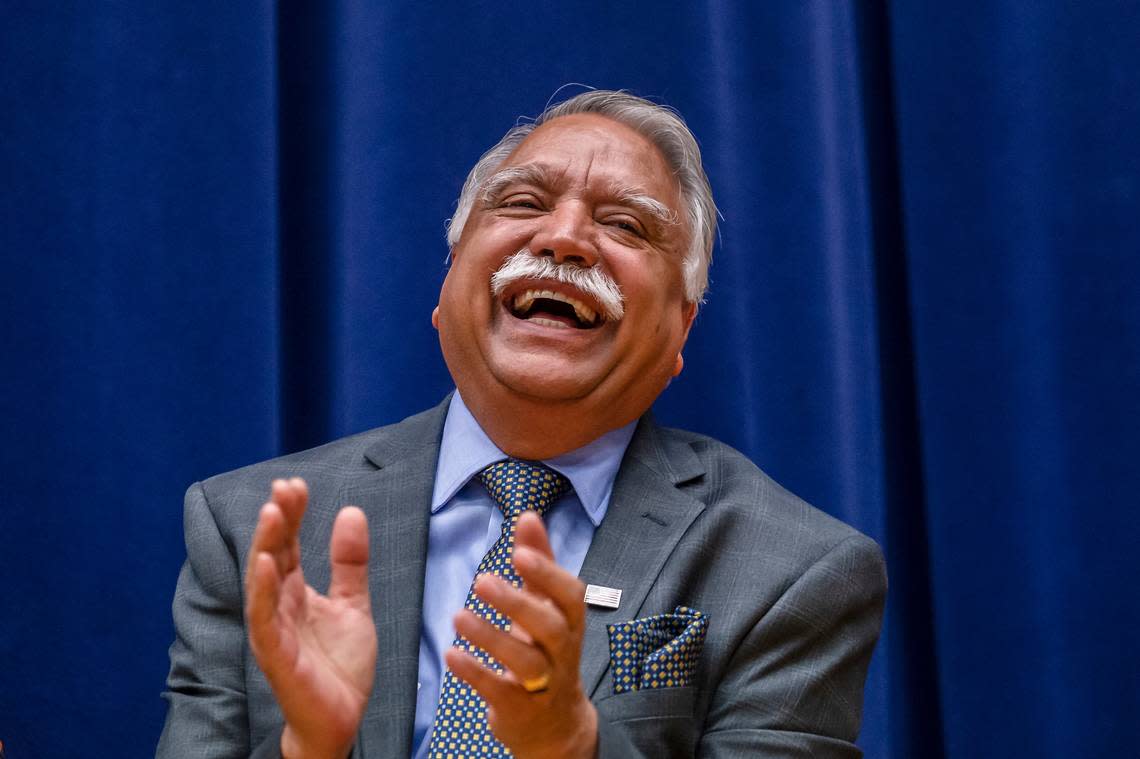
<point x="461" y="716"/>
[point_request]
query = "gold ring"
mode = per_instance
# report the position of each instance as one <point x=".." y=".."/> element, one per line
<point x="537" y="684"/>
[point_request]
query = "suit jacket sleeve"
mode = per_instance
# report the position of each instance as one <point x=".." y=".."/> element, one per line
<point x="794" y="686"/>
<point x="206" y="688"/>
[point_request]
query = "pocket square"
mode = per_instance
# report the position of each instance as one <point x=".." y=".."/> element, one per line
<point x="657" y="652"/>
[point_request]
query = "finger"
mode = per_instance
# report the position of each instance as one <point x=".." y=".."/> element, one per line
<point x="543" y="577"/>
<point x="523" y="661"/>
<point x="566" y="590"/>
<point x="520" y="633"/>
<point x="536" y="614"/>
<point x="348" y="557"/>
<point x="264" y="592"/>
<point x="531" y="532"/>
<point x="291" y="501"/>
<point x="269" y="536"/>
<point x="495" y="689"/>
<point x="292" y="495"/>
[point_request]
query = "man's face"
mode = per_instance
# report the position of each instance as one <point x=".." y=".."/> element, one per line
<point x="585" y="191"/>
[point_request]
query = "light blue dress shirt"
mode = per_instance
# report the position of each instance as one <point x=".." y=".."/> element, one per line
<point x="461" y="509"/>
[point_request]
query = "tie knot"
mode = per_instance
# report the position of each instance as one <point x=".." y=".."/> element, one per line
<point x="517" y="486"/>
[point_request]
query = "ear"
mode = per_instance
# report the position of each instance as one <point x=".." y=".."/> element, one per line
<point x="435" y="317"/>
<point x="689" y="316"/>
<point x="690" y="311"/>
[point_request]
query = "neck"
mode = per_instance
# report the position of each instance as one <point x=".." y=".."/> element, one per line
<point x="533" y="429"/>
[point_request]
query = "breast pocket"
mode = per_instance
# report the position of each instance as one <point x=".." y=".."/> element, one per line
<point x="659" y="721"/>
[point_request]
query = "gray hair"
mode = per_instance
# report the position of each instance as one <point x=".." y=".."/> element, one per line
<point x="662" y="126"/>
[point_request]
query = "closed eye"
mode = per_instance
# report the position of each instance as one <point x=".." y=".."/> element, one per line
<point x="521" y="201"/>
<point x="626" y="224"/>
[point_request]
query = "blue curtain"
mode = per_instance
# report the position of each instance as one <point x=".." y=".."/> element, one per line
<point x="222" y="237"/>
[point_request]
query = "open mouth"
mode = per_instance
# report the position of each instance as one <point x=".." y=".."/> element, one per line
<point x="552" y="309"/>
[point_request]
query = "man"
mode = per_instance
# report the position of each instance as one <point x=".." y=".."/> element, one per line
<point x="745" y="619"/>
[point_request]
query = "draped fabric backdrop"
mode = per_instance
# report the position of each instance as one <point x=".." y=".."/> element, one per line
<point x="223" y="237"/>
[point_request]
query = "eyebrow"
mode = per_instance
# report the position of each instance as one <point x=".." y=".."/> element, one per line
<point x="526" y="174"/>
<point x="648" y="205"/>
<point x="539" y="175"/>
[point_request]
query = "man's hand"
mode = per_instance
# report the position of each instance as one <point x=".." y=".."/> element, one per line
<point x="548" y="617"/>
<point x="318" y="652"/>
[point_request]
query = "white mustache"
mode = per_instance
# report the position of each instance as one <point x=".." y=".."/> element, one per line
<point x="590" y="279"/>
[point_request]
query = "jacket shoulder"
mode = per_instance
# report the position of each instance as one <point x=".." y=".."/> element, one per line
<point x="732" y="486"/>
<point x="330" y="462"/>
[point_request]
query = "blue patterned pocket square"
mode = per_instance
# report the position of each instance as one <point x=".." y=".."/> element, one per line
<point x="657" y="652"/>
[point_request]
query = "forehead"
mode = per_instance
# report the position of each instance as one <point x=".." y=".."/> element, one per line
<point x="594" y="150"/>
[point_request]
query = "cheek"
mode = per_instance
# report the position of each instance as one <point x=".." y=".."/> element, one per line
<point x="446" y="292"/>
<point x="656" y="294"/>
<point x="466" y="279"/>
<point x="455" y="302"/>
<point x="653" y="287"/>
<point x="500" y="237"/>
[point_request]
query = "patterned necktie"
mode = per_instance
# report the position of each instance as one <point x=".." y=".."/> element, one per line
<point x="461" y="716"/>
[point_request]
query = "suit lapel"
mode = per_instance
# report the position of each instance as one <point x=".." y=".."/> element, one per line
<point x="396" y="496"/>
<point x="646" y="518"/>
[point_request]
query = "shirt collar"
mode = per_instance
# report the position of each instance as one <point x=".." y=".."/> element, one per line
<point x="465" y="450"/>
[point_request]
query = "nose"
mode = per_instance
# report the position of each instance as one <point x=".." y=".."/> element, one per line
<point x="566" y="235"/>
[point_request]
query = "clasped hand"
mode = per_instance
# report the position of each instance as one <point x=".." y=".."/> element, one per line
<point x="319" y="651"/>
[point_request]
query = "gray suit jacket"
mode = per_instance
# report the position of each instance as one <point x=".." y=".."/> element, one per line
<point x="794" y="600"/>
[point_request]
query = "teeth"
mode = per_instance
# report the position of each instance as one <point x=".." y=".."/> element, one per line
<point x="550" y="323"/>
<point x="523" y="301"/>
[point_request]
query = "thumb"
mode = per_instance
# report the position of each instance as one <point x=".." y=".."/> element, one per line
<point x="348" y="556"/>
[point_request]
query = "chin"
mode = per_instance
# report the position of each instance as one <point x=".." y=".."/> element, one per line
<point x="545" y="383"/>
